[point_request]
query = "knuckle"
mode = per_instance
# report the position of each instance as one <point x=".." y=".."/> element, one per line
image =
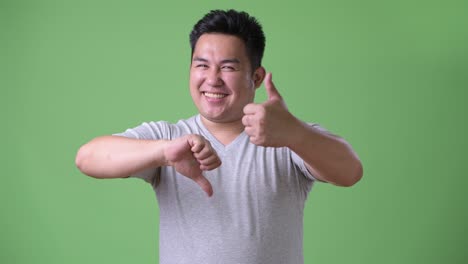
<point x="253" y="140"/>
<point x="262" y="121"/>
<point x="244" y="120"/>
<point x="262" y="110"/>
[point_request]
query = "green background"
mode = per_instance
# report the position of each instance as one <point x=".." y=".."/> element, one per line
<point x="389" y="76"/>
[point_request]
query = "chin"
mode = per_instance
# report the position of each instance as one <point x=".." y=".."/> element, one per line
<point x="222" y="119"/>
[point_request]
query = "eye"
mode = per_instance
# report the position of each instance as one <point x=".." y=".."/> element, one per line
<point x="227" y="68"/>
<point x="201" y="66"/>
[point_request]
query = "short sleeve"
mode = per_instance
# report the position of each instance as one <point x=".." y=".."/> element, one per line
<point x="300" y="163"/>
<point x="149" y="131"/>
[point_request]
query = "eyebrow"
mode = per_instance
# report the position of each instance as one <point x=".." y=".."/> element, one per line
<point x="222" y="62"/>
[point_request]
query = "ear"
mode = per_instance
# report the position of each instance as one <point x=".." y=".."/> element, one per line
<point x="258" y="76"/>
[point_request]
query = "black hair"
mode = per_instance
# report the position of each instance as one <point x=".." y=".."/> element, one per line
<point x="232" y="22"/>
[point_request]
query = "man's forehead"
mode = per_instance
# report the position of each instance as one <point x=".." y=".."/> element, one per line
<point x="222" y="46"/>
<point x="217" y="40"/>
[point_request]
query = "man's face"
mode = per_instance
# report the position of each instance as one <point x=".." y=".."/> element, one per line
<point x="221" y="79"/>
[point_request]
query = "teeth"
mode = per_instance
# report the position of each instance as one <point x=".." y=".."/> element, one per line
<point x="214" y="95"/>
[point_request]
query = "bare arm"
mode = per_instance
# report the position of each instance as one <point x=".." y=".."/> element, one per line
<point x="328" y="157"/>
<point x="118" y="157"/>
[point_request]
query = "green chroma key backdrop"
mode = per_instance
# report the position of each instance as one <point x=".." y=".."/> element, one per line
<point x="389" y="76"/>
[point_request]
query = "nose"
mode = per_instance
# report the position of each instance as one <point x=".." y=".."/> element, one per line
<point x="213" y="77"/>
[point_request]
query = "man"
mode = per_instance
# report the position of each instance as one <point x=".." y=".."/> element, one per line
<point x="256" y="162"/>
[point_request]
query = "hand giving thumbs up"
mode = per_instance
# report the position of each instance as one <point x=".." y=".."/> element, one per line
<point x="267" y="124"/>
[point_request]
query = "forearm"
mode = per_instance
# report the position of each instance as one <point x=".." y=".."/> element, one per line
<point x="116" y="157"/>
<point x="327" y="156"/>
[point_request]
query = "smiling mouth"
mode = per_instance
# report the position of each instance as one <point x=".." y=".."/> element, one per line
<point x="214" y="95"/>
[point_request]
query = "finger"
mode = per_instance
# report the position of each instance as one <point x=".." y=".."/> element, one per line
<point x="245" y="120"/>
<point x="204" y="184"/>
<point x="197" y="144"/>
<point x="250" y="131"/>
<point x="270" y="87"/>
<point x="209" y="160"/>
<point x="250" y="109"/>
<point x="204" y="153"/>
<point x="201" y="156"/>
<point x="254" y="140"/>
<point x="210" y="166"/>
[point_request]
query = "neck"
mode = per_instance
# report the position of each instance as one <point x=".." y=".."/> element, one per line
<point x="224" y="132"/>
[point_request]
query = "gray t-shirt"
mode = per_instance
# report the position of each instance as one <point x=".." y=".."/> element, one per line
<point x="255" y="214"/>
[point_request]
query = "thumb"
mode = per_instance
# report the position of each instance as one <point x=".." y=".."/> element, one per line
<point x="204" y="184"/>
<point x="271" y="90"/>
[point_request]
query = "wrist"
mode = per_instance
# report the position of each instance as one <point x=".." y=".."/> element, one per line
<point x="298" y="133"/>
<point x="160" y="148"/>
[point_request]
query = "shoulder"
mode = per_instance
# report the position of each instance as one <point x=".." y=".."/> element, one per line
<point x="161" y="129"/>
